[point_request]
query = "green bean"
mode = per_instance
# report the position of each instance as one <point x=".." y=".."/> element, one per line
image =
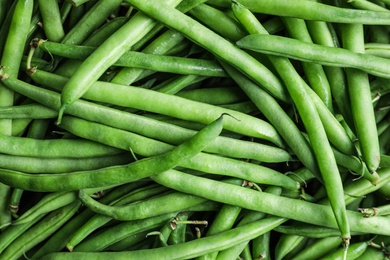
<point x="214" y="95"/>
<point x="181" y="108"/>
<point x="360" y="96"/>
<point x="207" y="39"/>
<point x="16" y="196"/>
<point x="330" y="56"/>
<point x="120" y="231"/>
<point x="337" y="137"/>
<point x="277" y="116"/>
<point x="203" y="11"/>
<point x="76" y="3"/>
<point x="179" y="224"/>
<point x="373" y="253"/>
<point x="288" y="245"/>
<point x="189" y="249"/>
<point x="5" y="216"/>
<point x="312" y="231"/>
<point x="92" y="20"/>
<point x="116" y="174"/>
<point x="11" y="233"/>
<point x="367" y="5"/>
<point x="112" y="48"/>
<point x="105" y="31"/>
<point x="40" y="231"/>
<point x="60" y="238"/>
<point x="51" y="17"/>
<point x="75" y="14"/>
<point x="60" y="165"/>
<point x="318" y="248"/>
<point x="311" y="10"/>
<point x="48" y="203"/>
<point x="385" y="161"/>
<point x="132" y="122"/>
<point x="203" y="162"/>
<point x="260" y="201"/>
<point x="51" y="148"/>
<point x="354" y="252"/>
<point x="13" y="52"/>
<point x="314" y="73"/>
<point x="223" y="221"/>
<point x="134" y="59"/>
<point x="323" y="153"/>
<point x="149" y="208"/>
<point x="32" y="111"/>
<point x="99" y="220"/>
<point x="128" y="242"/>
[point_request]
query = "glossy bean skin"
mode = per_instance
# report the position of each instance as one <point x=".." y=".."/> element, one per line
<point x="39" y="232"/>
<point x="119" y="174"/>
<point x="112" y="48"/>
<point x="361" y="103"/>
<point x="310" y="117"/>
<point x="51" y="17"/>
<point x="153" y="128"/>
<point x="330" y="56"/>
<point x="261" y="201"/>
<point x="206" y="38"/>
<point x="181" y="108"/>
<point x="190" y="249"/>
<point x="312" y="10"/>
<point x="133" y="59"/>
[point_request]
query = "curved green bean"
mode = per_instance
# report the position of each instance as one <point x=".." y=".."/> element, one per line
<point x="133" y="59"/>
<point x="112" y="48"/>
<point x="141" y="125"/>
<point x="208" y="39"/>
<point x="260" y="201"/>
<point x="51" y="19"/>
<point x="39" y="232"/>
<point x="189" y="249"/>
<point x="330" y="56"/>
<point x="116" y="174"/>
<point x="312" y="10"/>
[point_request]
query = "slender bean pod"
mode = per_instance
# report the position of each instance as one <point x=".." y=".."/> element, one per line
<point x="206" y="38"/>
<point x="190" y="249"/>
<point x="330" y="56"/>
<point x="312" y="10"/>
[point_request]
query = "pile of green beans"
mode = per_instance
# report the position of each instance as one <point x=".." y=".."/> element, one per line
<point x="194" y="129"/>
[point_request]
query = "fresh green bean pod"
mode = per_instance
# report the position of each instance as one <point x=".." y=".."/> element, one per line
<point x="59" y="239"/>
<point x="121" y="230"/>
<point x="202" y="162"/>
<point x="190" y="249"/>
<point x="330" y="56"/>
<point x="131" y="122"/>
<point x="40" y="231"/>
<point x="93" y="19"/>
<point x="319" y="142"/>
<point x="203" y="12"/>
<point x="115" y="175"/>
<point x="181" y="108"/>
<point x="361" y="103"/>
<point x="112" y="48"/>
<point x="99" y="220"/>
<point x="51" y="19"/>
<point x="32" y="111"/>
<point x="367" y="5"/>
<point x="308" y="212"/>
<point x="146" y="209"/>
<point x="141" y="60"/>
<point x="223" y="221"/>
<point x="318" y="249"/>
<point x="355" y="250"/>
<point x="314" y="73"/>
<point x="207" y="39"/>
<point x="312" y="10"/>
